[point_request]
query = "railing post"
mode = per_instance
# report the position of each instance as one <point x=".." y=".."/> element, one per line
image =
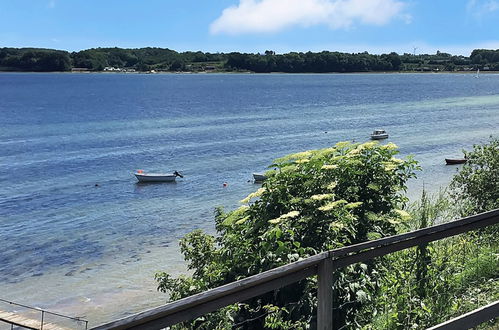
<point x="325" y="295"/>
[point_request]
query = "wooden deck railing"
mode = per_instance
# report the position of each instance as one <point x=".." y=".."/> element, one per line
<point x="471" y="319"/>
<point x="322" y="265"/>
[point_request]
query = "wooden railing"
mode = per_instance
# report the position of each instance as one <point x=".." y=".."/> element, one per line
<point x="322" y="265"/>
<point x="471" y="319"/>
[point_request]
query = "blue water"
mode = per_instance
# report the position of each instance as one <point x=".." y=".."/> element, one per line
<point x="61" y="134"/>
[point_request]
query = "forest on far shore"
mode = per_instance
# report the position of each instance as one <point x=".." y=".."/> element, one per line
<point x="164" y="59"/>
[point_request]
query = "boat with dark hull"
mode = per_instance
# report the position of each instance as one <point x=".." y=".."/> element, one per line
<point x="455" y="161"/>
<point x="259" y="177"/>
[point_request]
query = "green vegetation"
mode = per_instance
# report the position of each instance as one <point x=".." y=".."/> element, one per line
<point x="143" y="59"/>
<point x="427" y="285"/>
<point x="314" y="62"/>
<point x="486" y="57"/>
<point x="313" y="201"/>
<point x="164" y="59"/>
<point x="34" y="59"/>
<point x="324" y="199"/>
<point x="476" y="186"/>
<point x="97" y="59"/>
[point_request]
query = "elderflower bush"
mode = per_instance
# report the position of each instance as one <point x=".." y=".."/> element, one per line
<point x="313" y="201"/>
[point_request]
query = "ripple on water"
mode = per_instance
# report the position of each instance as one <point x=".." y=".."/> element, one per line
<point x="90" y="245"/>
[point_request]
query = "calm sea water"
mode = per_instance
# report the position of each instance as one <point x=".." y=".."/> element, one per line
<point x="69" y="245"/>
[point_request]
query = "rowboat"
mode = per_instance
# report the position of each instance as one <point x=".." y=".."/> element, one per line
<point x="454" y="161"/>
<point x="259" y="177"/>
<point x="156" y="177"/>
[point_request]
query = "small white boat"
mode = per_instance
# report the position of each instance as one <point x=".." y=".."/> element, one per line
<point x="379" y="134"/>
<point x="156" y="177"/>
<point x="259" y="177"/>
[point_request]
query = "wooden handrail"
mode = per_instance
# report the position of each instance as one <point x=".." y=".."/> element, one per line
<point x="191" y="307"/>
<point x="229" y="293"/>
<point x="471" y="220"/>
<point x="471" y="319"/>
<point x="368" y="250"/>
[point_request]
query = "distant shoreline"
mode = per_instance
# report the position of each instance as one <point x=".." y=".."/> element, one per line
<point x="156" y="60"/>
<point x="252" y="73"/>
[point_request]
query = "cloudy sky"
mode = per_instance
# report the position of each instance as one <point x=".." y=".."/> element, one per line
<point x="376" y="26"/>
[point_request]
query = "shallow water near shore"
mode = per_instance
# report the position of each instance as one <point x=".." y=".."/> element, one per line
<point x="80" y="236"/>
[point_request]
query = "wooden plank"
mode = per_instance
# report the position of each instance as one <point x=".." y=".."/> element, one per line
<point x="189" y="314"/>
<point x="29" y="323"/>
<point x="35" y="309"/>
<point x="475" y="219"/>
<point x="471" y="319"/>
<point x="325" y="295"/>
<point x="16" y="319"/>
<point x="53" y="326"/>
<point x="425" y="237"/>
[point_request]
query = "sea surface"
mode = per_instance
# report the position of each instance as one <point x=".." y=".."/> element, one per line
<point x="79" y="236"/>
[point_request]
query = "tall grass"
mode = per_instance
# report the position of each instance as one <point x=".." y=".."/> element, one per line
<point x="431" y="283"/>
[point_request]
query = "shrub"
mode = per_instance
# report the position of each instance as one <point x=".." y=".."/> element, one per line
<point x="312" y="201"/>
<point x="476" y="187"/>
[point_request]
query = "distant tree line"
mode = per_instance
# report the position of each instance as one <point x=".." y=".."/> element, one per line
<point x="486" y="57"/>
<point x="34" y="59"/>
<point x="164" y="59"/>
<point x="142" y="59"/>
<point x="313" y="62"/>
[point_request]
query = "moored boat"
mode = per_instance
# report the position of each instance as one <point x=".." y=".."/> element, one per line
<point x="379" y="134"/>
<point x="259" y="177"/>
<point x="454" y="161"/>
<point x="156" y="177"/>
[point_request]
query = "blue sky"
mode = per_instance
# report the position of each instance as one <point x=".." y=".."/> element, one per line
<point x="376" y="26"/>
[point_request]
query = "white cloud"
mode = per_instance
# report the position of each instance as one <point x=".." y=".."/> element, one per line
<point x="480" y="8"/>
<point x="267" y="16"/>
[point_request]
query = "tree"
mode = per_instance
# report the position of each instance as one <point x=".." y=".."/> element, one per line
<point x="394" y="59"/>
<point x="141" y="66"/>
<point x="312" y="201"/>
<point x="177" y="65"/>
<point x="43" y="60"/>
<point x="476" y="186"/>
